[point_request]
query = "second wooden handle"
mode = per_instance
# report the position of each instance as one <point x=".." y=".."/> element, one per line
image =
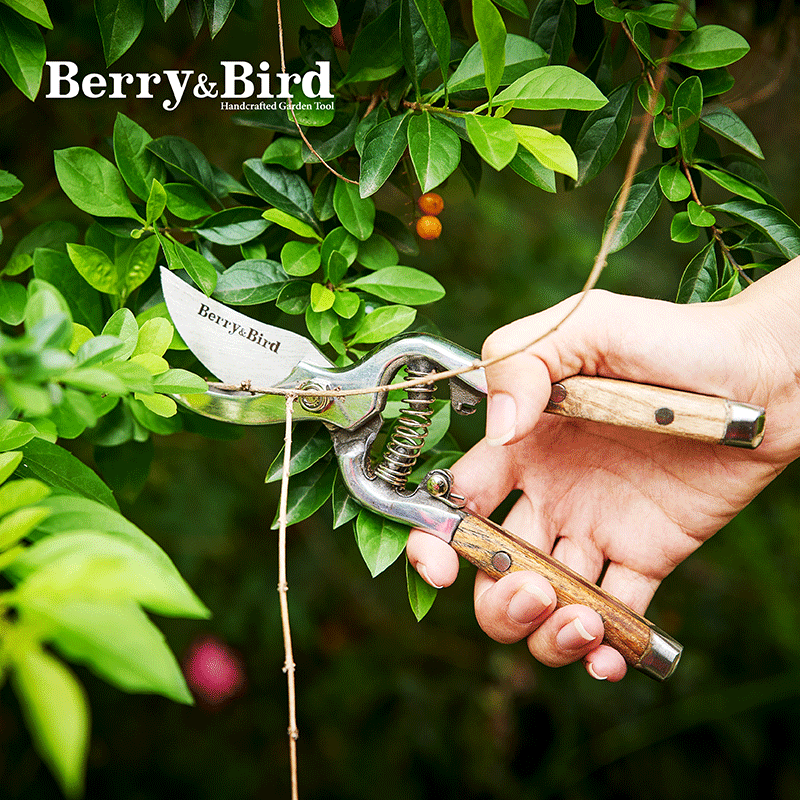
<point x="654" y="408"/>
<point x="497" y="552"/>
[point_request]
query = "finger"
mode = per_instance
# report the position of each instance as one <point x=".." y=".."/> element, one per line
<point x="629" y="586"/>
<point x="604" y="663"/>
<point x="567" y="635"/>
<point x="512" y="608"/>
<point x="485" y="476"/>
<point x="432" y="558"/>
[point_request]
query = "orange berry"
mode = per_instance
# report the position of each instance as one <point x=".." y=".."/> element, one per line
<point x="431" y="203"/>
<point x="429" y="227"/>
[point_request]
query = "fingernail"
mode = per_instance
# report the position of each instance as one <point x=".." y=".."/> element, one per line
<point x="527" y="604"/>
<point x="423" y="570"/>
<point x="590" y="670"/>
<point x="573" y="636"/>
<point x="501" y="419"/>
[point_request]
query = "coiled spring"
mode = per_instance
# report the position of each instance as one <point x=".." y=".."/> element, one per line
<point x="409" y="432"/>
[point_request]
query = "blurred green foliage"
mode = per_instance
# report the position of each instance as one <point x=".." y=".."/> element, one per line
<point x="388" y="706"/>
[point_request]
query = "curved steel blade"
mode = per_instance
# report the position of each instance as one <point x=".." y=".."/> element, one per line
<point x="233" y="346"/>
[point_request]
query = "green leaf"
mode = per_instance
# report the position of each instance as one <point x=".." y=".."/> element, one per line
<point x="776" y="225"/>
<point x="419" y="53"/>
<point x="185" y="200"/>
<point x="25" y="492"/>
<point x="699" y="216"/>
<point x="179" y="256"/>
<point x="699" y="280"/>
<point x="122" y="325"/>
<point x="521" y="56"/>
<point x="376" y="252"/>
<point x="551" y="150"/>
<point x="10" y="461"/>
<point x="324" y="325"/>
<point x="666" y="132"/>
<point x="384" y="145"/>
<point x="397" y="233"/>
<point x="120" y="22"/>
<point x="429" y="16"/>
<point x="118" y="643"/>
<point x="380" y="540"/>
<point x="13" y="299"/>
<point x="345" y="507"/>
<point x="681" y="229"/>
<point x="553" y="87"/>
<point x="602" y="134"/>
<point x="308" y="491"/>
<point x="294" y="297"/>
<point x="312" y="112"/>
<point x="730" y="288"/>
<point x="723" y="121"/>
<point x="734" y="184"/>
<point x="491" y="31"/>
<point x="435" y="150"/>
<point x="186" y="161"/>
<point x="321" y="297"/>
<point x="13" y="434"/>
<point x="420" y="593"/>
<point x="527" y="166"/>
<point x="674" y="183"/>
<point x="93" y="183"/>
<point x="282" y="189"/>
<point x="553" y="28"/>
<point x="300" y="258"/>
<point x="233" y="226"/>
<point x="285" y="152"/>
<point x="383" y="323"/>
<point x="493" y="138"/>
<point x="20" y="523"/>
<point x="34" y="10"/>
<point x="22" y="51"/>
<point x="155" y="336"/>
<point x="9" y="185"/>
<point x="643" y="202"/>
<point x="356" y="213"/>
<point x="70" y="513"/>
<point x="709" y="47"/>
<point x="401" y="285"/>
<point x="346" y="304"/>
<point x="376" y="52"/>
<point x="44" y="302"/>
<point x="60" y="469"/>
<point x="664" y="15"/>
<point x="324" y="11"/>
<point x="309" y="444"/>
<point x="156" y="202"/>
<point x="217" y="12"/>
<point x="341" y="241"/>
<point x="56" y="713"/>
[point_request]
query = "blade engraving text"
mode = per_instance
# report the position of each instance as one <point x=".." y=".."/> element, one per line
<point x="251" y="334"/>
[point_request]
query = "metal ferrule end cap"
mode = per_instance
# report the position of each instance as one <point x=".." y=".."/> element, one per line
<point x="661" y="657"/>
<point x="745" y="426"/>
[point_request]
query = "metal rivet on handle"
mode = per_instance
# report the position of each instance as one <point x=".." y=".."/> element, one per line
<point x="558" y="394"/>
<point x="501" y="561"/>
<point x="664" y="416"/>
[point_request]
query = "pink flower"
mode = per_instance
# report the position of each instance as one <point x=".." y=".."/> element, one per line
<point x="214" y="672"/>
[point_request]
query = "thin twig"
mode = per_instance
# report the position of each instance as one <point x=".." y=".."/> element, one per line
<point x="283" y="588"/>
<point x="291" y="106"/>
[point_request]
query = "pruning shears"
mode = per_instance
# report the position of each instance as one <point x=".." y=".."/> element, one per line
<point x="244" y="353"/>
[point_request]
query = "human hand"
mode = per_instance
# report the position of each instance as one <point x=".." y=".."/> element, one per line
<point x="628" y="504"/>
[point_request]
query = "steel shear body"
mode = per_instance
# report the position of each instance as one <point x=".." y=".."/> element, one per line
<point x="355" y="419"/>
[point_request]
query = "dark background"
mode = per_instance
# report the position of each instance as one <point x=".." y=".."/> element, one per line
<point x="389" y="707"/>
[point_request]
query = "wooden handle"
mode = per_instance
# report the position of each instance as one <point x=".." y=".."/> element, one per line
<point x="653" y="408"/>
<point x="498" y="552"/>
